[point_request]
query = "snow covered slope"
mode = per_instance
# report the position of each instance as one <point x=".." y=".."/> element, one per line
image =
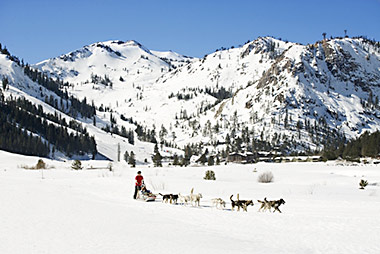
<point x="174" y="59"/>
<point x="21" y="86"/>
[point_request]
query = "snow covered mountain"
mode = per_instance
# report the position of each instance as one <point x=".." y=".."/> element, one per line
<point x="266" y="94"/>
<point x="129" y="61"/>
<point x="280" y="92"/>
<point x="54" y="107"/>
<point x="285" y="92"/>
<point x="112" y="73"/>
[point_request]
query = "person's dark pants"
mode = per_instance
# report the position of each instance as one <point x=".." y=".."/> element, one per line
<point x="137" y="188"/>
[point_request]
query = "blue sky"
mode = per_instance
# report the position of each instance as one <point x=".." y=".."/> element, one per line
<point x="37" y="30"/>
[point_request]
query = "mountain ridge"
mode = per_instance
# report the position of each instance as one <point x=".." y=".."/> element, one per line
<point x="285" y="95"/>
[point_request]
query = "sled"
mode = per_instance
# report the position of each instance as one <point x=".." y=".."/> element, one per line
<point x="147" y="197"/>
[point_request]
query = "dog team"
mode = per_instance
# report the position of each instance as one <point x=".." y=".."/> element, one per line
<point x="194" y="200"/>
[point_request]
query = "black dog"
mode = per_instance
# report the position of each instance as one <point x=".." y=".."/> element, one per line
<point x="165" y="197"/>
<point x="172" y="198"/>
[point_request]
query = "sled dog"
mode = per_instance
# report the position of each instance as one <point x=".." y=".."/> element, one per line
<point x="269" y="204"/>
<point x="165" y="197"/>
<point x="218" y="203"/>
<point x="183" y="199"/>
<point x="240" y="204"/>
<point x="196" y="198"/>
<point x="264" y="204"/>
<point x="171" y="198"/>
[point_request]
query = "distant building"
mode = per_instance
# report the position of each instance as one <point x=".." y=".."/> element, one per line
<point x="236" y="157"/>
<point x="247" y="157"/>
<point x="264" y="156"/>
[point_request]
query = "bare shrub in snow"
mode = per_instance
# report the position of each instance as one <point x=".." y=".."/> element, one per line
<point x="363" y="183"/>
<point x="77" y="165"/>
<point x="41" y="164"/>
<point x="266" y="177"/>
<point x="210" y="175"/>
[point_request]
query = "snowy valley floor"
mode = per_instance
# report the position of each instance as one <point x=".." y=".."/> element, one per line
<point x="92" y="211"/>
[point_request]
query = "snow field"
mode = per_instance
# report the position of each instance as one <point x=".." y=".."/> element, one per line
<point x="92" y="211"/>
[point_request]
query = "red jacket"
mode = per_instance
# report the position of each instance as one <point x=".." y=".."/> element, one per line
<point x="139" y="179"/>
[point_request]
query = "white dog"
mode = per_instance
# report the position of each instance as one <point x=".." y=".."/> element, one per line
<point x="183" y="199"/>
<point x="218" y="203"/>
<point x="196" y="198"/>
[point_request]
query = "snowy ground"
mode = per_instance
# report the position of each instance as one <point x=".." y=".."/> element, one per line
<point x="92" y="211"/>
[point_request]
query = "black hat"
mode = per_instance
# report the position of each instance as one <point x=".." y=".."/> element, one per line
<point x="138" y="172"/>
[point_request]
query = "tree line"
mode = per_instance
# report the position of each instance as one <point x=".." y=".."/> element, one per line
<point x="15" y="118"/>
<point x="28" y="106"/>
<point x="73" y="107"/>
<point x="367" y="145"/>
<point x="16" y="140"/>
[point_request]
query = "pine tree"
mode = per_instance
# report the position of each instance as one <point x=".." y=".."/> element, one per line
<point x="228" y="140"/>
<point x="131" y="137"/>
<point x="188" y="153"/>
<point x="126" y="156"/>
<point x="163" y="132"/>
<point x="5" y="83"/>
<point x="202" y="159"/>
<point x="238" y="143"/>
<point x="211" y="161"/>
<point x="132" y="160"/>
<point x="217" y="160"/>
<point x="1" y="97"/>
<point x="175" y="160"/>
<point x="157" y="158"/>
